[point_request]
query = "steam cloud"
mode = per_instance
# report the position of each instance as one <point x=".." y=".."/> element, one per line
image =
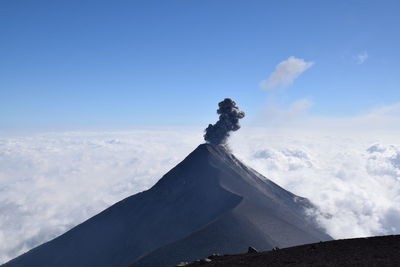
<point x="228" y="121"/>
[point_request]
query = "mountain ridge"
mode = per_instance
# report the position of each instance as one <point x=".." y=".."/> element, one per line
<point x="231" y="220"/>
<point x="364" y="251"/>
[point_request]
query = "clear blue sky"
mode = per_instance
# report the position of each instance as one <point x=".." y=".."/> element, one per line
<point x="83" y="64"/>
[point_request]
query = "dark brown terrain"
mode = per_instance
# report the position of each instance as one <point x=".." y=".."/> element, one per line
<point x="372" y="251"/>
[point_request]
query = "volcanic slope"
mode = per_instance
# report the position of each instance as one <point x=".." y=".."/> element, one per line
<point x="210" y="202"/>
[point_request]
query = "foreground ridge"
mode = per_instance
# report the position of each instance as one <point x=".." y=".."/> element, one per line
<point x="371" y="251"/>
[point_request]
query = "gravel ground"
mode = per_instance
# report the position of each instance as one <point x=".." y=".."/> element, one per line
<point x="372" y="251"/>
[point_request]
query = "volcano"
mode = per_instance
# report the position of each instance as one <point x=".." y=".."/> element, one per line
<point x="209" y="203"/>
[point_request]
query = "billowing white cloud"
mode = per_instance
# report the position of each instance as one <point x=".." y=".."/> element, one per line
<point x="354" y="180"/>
<point x="286" y="72"/>
<point x="52" y="182"/>
<point x="361" y="58"/>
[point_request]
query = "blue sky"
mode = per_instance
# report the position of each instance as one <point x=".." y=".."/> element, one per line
<point x="112" y="64"/>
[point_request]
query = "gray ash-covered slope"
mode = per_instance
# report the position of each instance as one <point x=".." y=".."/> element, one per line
<point x="209" y="203"/>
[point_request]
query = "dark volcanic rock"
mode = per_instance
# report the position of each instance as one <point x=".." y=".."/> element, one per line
<point x="251" y="250"/>
<point x="210" y="202"/>
<point x="373" y="251"/>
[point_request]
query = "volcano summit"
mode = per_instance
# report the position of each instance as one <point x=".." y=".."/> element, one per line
<point x="209" y="203"/>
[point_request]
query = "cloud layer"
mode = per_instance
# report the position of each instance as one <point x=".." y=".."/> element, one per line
<point x="52" y="182"/>
<point x="354" y="178"/>
<point x="286" y="72"/>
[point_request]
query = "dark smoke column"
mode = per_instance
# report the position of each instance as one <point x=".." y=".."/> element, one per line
<point x="229" y="115"/>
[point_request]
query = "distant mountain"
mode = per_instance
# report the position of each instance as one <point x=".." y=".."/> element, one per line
<point x="372" y="251"/>
<point x="210" y="202"/>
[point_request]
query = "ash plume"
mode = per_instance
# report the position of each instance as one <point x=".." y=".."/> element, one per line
<point x="229" y="115"/>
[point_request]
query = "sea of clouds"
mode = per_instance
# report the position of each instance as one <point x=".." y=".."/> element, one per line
<point x="54" y="181"/>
